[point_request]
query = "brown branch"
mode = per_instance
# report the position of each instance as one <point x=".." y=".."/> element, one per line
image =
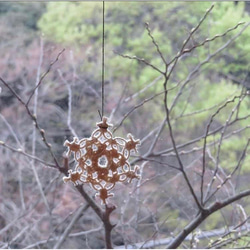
<point x="175" y="148"/>
<point x="176" y="242"/>
<point x="107" y="225"/>
<point x="91" y="202"/>
<point x="140" y="60"/>
<point x="104" y="216"/>
<point x="155" y="43"/>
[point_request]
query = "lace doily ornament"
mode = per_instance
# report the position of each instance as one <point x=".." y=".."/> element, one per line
<point x="102" y="160"/>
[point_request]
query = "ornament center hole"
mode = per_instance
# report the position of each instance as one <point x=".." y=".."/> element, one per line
<point x="103" y="161"/>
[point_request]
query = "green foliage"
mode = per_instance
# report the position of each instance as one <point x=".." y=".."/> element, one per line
<point x="208" y="98"/>
<point x="18" y="23"/>
<point x="72" y="22"/>
<point x="22" y="13"/>
<point x="170" y="24"/>
<point x="232" y="150"/>
<point x="81" y="23"/>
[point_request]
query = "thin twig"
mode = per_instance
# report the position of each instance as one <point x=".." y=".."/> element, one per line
<point x="175" y="148"/>
<point x="134" y="108"/>
<point x="66" y="232"/>
<point x="104" y="216"/>
<point x="69" y="104"/>
<point x="175" y="59"/>
<point x="34" y="119"/>
<point x="144" y="89"/>
<point x="205" y="141"/>
<point x="42" y="242"/>
<point x="117" y="106"/>
<point x="140" y="60"/>
<point x="8" y="245"/>
<point x="19" y="167"/>
<point x="196" y="149"/>
<point x="199" y="111"/>
<point x="166" y="151"/>
<point x="21" y="151"/>
<point x="203" y="216"/>
<point x="34" y="129"/>
<point x="157" y="136"/>
<point x="207" y="41"/>
<point x="204" y="235"/>
<point x="43" y="76"/>
<point x="242" y="157"/>
<point x="155" y="43"/>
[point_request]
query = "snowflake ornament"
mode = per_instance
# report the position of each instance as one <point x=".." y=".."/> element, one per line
<point x="102" y="160"/>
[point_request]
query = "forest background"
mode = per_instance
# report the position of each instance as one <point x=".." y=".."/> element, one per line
<point x="65" y="40"/>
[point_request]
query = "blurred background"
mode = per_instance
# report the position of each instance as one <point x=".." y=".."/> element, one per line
<point x="35" y="205"/>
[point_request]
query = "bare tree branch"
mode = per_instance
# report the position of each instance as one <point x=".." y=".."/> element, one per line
<point x="140" y="60"/>
<point x="155" y="43"/>
<point x="66" y="232"/>
<point x="203" y="216"/>
<point x="43" y="76"/>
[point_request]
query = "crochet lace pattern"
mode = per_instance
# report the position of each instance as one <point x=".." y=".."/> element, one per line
<point x="102" y="160"/>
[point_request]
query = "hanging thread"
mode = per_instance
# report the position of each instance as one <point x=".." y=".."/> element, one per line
<point x="103" y="38"/>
